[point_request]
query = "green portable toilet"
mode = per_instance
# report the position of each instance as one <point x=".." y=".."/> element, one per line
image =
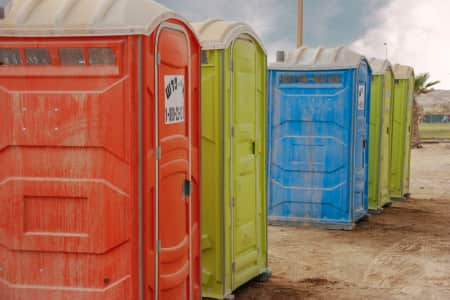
<point x="401" y="131"/>
<point x="234" y="228"/>
<point x="381" y="103"/>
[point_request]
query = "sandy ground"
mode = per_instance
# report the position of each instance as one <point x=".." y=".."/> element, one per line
<point x="403" y="253"/>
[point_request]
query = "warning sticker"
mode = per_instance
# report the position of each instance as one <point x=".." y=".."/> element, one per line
<point x="174" y="91"/>
<point x="361" y="97"/>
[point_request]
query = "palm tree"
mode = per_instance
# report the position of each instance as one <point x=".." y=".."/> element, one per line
<point x="422" y="85"/>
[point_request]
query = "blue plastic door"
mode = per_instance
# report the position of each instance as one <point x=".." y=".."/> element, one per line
<point x="360" y="145"/>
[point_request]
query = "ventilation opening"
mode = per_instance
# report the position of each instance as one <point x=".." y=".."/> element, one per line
<point x="101" y="56"/>
<point x="319" y="79"/>
<point x="280" y="56"/>
<point x="302" y="79"/>
<point x="204" y="57"/>
<point x="37" y="56"/>
<point x="5" y="7"/>
<point x="10" y="56"/>
<point x="335" y="79"/>
<point x="72" y="56"/>
<point x="287" y="79"/>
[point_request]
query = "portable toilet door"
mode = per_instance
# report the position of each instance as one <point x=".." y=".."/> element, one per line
<point x="409" y="119"/>
<point x="99" y="152"/>
<point x="318" y="129"/>
<point x="381" y="102"/>
<point x="234" y="231"/>
<point x="401" y="131"/>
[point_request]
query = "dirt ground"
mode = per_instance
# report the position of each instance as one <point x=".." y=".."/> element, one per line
<point x="403" y="253"/>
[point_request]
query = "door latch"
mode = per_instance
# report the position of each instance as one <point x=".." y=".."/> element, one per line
<point x="364" y="144"/>
<point x="187" y="188"/>
<point x="254" y="147"/>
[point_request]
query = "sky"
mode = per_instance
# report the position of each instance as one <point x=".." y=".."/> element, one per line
<point x="415" y="32"/>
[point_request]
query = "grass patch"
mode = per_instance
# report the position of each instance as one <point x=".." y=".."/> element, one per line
<point x="434" y="131"/>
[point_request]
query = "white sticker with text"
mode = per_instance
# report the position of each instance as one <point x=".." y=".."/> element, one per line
<point x="174" y="94"/>
<point x="361" y="97"/>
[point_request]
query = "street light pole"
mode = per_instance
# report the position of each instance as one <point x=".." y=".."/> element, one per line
<point x="300" y="24"/>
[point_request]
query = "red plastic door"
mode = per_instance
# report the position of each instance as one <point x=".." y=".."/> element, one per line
<point x="174" y="165"/>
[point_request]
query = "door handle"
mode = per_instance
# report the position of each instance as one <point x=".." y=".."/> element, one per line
<point x="254" y="148"/>
<point x="187" y="188"/>
<point x="364" y="144"/>
<point x="388" y="131"/>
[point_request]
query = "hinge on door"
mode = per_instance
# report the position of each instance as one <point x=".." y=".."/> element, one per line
<point x="233" y="267"/>
<point x="158" y="58"/>
<point x="158" y="153"/>
<point x="158" y="246"/>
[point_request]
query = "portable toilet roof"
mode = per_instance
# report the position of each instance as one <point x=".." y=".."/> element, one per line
<point x="379" y="66"/>
<point x="403" y="71"/>
<point x="219" y="34"/>
<point x="319" y="59"/>
<point x="84" y="18"/>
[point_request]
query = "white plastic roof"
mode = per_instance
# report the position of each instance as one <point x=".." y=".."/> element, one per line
<point x="403" y="72"/>
<point x="219" y="34"/>
<point x="319" y="59"/>
<point x="379" y="66"/>
<point x="84" y="17"/>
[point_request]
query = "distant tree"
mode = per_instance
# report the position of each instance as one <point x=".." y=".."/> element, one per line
<point x="422" y="85"/>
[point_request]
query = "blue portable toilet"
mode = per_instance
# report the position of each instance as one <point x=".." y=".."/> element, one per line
<point x="318" y="133"/>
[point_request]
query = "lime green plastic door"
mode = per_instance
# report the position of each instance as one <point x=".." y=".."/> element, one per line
<point x="245" y="210"/>
<point x="386" y="141"/>
<point x="407" y="163"/>
<point x="399" y="138"/>
<point x="376" y="107"/>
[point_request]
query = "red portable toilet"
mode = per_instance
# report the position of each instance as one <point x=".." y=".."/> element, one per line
<point x="99" y="151"/>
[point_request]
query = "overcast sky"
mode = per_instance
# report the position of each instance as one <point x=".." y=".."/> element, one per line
<point x="417" y="32"/>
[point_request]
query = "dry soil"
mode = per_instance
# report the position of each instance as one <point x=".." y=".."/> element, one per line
<point x="403" y="253"/>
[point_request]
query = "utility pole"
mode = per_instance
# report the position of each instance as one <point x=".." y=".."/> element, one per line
<point x="386" y="48"/>
<point x="300" y="24"/>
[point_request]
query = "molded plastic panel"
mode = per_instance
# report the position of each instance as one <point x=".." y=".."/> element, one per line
<point x="401" y="138"/>
<point x="233" y="168"/>
<point x="381" y="102"/>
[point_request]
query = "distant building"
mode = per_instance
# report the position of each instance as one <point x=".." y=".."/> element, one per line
<point x="436" y="106"/>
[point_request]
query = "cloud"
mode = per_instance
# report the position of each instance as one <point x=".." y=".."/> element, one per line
<point x="417" y="33"/>
<point x="273" y="20"/>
